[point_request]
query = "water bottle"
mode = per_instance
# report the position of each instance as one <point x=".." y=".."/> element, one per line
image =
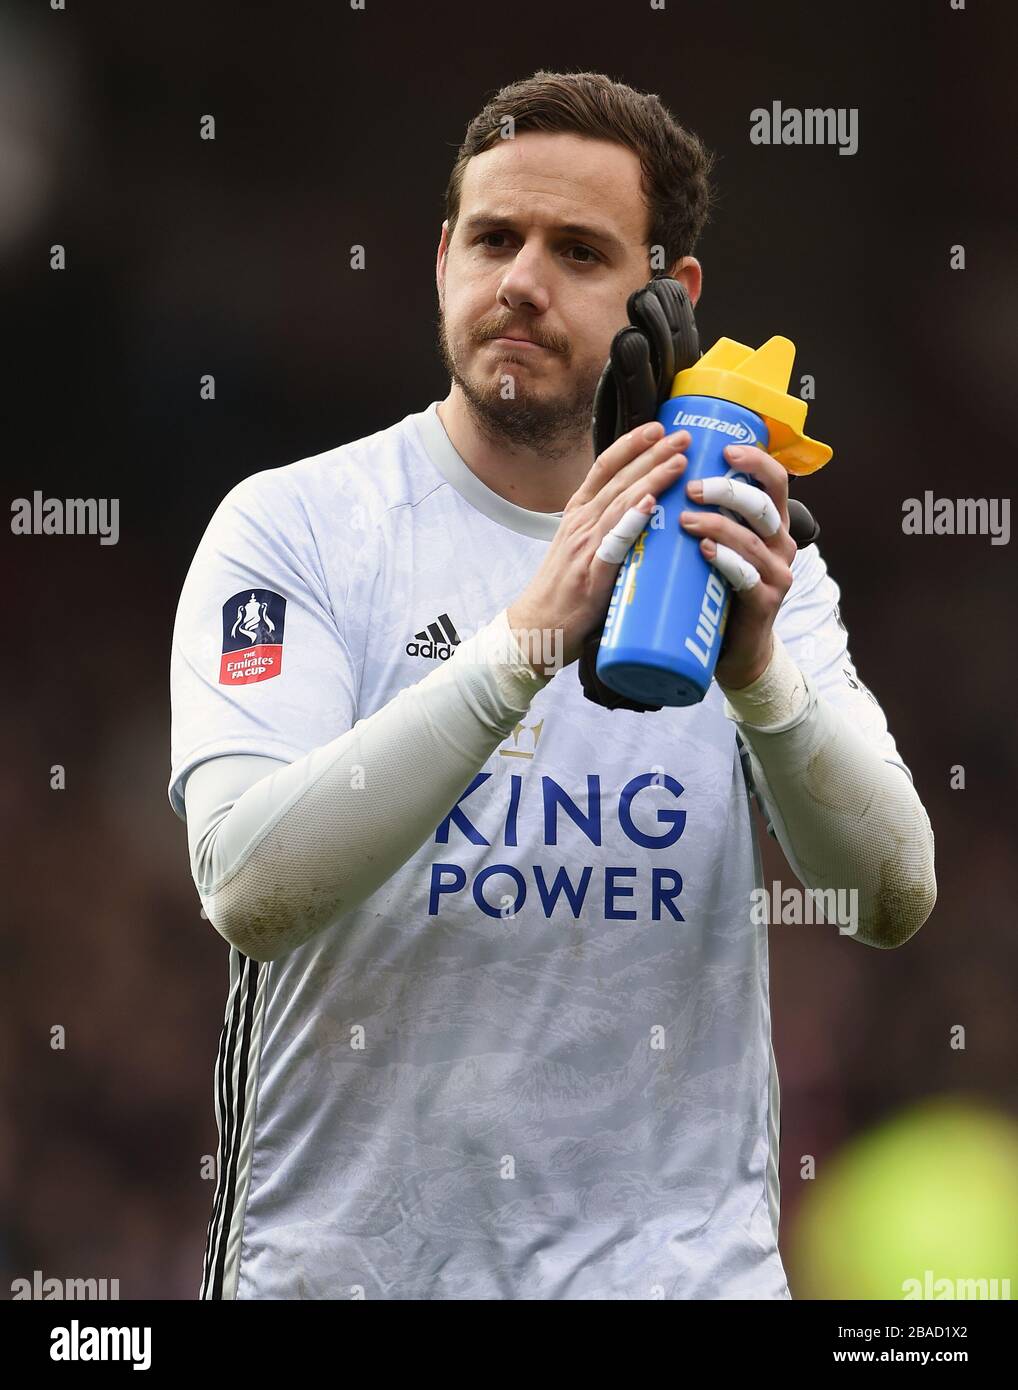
<point x="670" y="605"/>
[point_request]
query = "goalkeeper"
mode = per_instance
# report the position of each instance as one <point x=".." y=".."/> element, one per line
<point x="498" y="1021"/>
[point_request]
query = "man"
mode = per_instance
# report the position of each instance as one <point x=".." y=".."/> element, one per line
<point x="498" y="1024"/>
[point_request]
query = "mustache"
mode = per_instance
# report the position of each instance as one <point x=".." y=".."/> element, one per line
<point x="482" y="334"/>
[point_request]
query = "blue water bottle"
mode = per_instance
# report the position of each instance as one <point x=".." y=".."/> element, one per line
<point x="668" y="610"/>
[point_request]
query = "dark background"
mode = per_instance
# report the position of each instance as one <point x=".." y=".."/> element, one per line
<point x="184" y="256"/>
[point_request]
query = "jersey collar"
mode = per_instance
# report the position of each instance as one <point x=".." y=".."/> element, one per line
<point x="440" y="449"/>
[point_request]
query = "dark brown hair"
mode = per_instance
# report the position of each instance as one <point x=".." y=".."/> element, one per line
<point x="675" y="164"/>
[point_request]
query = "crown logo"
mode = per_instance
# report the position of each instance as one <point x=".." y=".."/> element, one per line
<point x="516" y="752"/>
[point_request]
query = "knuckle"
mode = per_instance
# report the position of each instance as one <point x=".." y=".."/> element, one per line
<point x="626" y="501"/>
<point x="577" y="541"/>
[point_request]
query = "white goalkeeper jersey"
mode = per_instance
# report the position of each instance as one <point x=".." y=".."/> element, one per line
<point x="536" y="1063"/>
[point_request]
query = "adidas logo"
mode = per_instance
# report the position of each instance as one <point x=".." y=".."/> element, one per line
<point x="436" y="641"/>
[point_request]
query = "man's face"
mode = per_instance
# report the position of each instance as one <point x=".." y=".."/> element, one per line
<point x="517" y="267"/>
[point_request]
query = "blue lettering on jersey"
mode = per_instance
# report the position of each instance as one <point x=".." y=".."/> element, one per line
<point x="450" y="879"/>
<point x="508" y="898"/>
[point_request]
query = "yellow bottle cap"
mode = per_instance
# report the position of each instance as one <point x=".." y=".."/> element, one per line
<point x="758" y="379"/>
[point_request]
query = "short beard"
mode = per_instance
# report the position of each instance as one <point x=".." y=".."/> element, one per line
<point x="553" y="428"/>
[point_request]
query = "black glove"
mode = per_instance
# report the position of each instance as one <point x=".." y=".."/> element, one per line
<point x="659" y="341"/>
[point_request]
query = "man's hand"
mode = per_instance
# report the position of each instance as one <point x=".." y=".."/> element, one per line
<point x="659" y="341"/>
<point x="569" y="594"/>
<point x="757" y="563"/>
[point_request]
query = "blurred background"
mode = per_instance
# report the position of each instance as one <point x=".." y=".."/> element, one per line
<point x="184" y="256"/>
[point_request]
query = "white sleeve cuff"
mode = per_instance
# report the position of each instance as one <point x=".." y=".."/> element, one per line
<point x="845" y="817"/>
<point x="778" y="699"/>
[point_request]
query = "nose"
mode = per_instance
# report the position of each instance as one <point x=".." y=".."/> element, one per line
<point x="522" y="285"/>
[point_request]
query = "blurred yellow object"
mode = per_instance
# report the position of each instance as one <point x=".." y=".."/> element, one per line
<point x="925" y="1206"/>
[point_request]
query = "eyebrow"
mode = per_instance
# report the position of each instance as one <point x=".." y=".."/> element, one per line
<point x="601" y="234"/>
